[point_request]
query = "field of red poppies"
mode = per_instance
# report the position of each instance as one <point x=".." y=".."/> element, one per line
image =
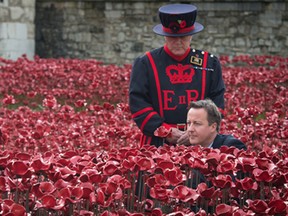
<point x="69" y="146"/>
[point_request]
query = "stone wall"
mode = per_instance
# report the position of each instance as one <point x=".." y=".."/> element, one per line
<point x="118" y="31"/>
<point x="17" y="29"/>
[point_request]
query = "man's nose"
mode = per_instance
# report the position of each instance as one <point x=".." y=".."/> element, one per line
<point x="190" y="127"/>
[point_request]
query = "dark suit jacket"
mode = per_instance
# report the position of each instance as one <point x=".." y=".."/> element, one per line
<point x="220" y="140"/>
<point x="227" y="140"/>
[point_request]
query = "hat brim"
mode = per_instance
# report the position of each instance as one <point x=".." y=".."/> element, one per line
<point x="158" y="29"/>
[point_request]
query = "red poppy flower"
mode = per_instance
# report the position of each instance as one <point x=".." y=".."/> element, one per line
<point x="226" y="166"/>
<point x="100" y="196"/>
<point x="108" y="106"/>
<point x="174" y="176"/>
<point x="246" y="184"/>
<point x="246" y="164"/>
<point x="156" y="212"/>
<point x="95" y="177"/>
<point x="224" y="210"/>
<point x="46" y="187"/>
<point x="3" y="139"/>
<point x="148" y="204"/>
<point x="65" y="173"/>
<point x="87" y="188"/>
<point x="31" y="94"/>
<point x="8" y="99"/>
<point x="84" y="177"/>
<point x="92" y="198"/>
<point x="50" y="202"/>
<point x="42" y="188"/>
<point x="50" y="102"/>
<point x="212" y="159"/>
<point x="174" y="27"/>
<point x="19" y="168"/>
<point x="258" y="206"/>
<point x="165" y="165"/>
<point x="222" y="181"/>
<point x="80" y="103"/>
<point x="162" y="131"/>
<point x="265" y="164"/>
<point x="183" y="24"/>
<point x="157" y="179"/>
<point x="128" y="164"/>
<point x="110" y="168"/>
<point x="23" y="156"/>
<point x="160" y="193"/>
<point x="3" y="185"/>
<point x="8" y="207"/>
<point x="39" y="164"/>
<point x="77" y="192"/>
<point x="121" y="181"/>
<point x="206" y="192"/>
<point x="200" y="163"/>
<point x="60" y="183"/>
<point x="277" y="206"/>
<point x="262" y="176"/>
<point x="144" y="163"/>
<point x="85" y="213"/>
<point x="65" y="193"/>
<point x="184" y="194"/>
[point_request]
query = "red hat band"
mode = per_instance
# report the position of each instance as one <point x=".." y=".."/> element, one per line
<point x="178" y="30"/>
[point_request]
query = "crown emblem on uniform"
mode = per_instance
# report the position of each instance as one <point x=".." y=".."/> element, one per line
<point x="180" y="73"/>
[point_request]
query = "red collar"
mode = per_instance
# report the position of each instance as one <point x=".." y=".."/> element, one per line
<point x="177" y="58"/>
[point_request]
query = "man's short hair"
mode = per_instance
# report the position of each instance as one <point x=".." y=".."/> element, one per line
<point x="213" y="113"/>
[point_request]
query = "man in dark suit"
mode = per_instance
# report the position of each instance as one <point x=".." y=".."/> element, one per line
<point x="203" y="125"/>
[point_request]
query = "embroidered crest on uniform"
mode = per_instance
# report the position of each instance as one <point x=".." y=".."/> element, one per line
<point x="196" y="60"/>
<point x="180" y="73"/>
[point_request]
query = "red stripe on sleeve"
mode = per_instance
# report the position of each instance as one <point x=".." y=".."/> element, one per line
<point x="149" y="139"/>
<point x="157" y="83"/>
<point x="145" y="140"/>
<point x="142" y="140"/>
<point x="204" y="75"/>
<point x="140" y="112"/>
<point x="147" y="119"/>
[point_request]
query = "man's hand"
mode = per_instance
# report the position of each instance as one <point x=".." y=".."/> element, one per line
<point x="184" y="139"/>
<point x="174" y="135"/>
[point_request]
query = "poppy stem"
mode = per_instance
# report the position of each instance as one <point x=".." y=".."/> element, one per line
<point x="70" y="209"/>
<point x="133" y="193"/>
<point x="206" y="205"/>
<point x="140" y="187"/>
<point x="129" y="193"/>
<point x="145" y="192"/>
<point x="96" y="209"/>
<point x="216" y="203"/>
<point x="262" y="190"/>
<point x="16" y="192"/>
<point x="27" y="201"/>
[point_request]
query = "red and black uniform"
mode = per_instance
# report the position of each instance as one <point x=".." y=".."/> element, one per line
<point x="162" y="85"/>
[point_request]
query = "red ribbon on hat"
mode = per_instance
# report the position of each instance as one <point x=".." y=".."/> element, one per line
<point x="183" y="30"/>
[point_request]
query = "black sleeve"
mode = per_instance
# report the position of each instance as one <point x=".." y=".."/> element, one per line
<point x="232" y="141"/>
<point x="143" y="113"/>
<point x="217" y="86"/>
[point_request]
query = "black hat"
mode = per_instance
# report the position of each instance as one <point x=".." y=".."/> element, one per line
<point x="178" y="20"/>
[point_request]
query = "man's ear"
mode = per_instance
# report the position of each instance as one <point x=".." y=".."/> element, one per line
<point x="214" y="126"/>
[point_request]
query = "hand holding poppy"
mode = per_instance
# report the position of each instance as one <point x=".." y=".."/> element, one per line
<point x="184" y="139"/>
<point x="174" y="135"/>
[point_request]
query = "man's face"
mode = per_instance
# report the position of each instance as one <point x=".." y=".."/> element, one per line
<point x="199" y="130"/>
<point x="178" y="45"/>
